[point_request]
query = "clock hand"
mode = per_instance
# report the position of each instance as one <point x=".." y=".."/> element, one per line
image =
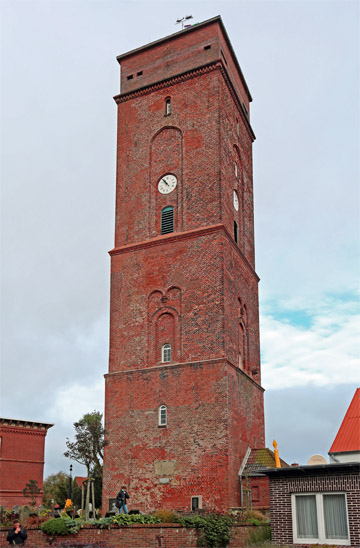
<point x="165" y="182"/>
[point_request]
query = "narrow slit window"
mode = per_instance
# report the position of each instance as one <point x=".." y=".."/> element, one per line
<point x="167" y="106"/>
<point x="167" y="220"/>
<point x="162" y="415"/>
<point x="236" y="170"/>
<point x="166" y="353"/>
<point x="235" y="232"/>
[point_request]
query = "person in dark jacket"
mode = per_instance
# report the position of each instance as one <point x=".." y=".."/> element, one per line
<point x="17" y="535"/>
<point x="121" y="499"/>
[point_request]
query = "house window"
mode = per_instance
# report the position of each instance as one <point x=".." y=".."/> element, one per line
<point x="236" y="170"/>
<point x="320" y="518"/>
<point x="167" y="220"/>
<point x="167" y="106"/>
<point x="162" y="415"/>
<point x="235" y="232"/>
<point x="166" y="353"/>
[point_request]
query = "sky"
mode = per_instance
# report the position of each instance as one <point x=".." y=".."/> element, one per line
<point x="58" y="138"/>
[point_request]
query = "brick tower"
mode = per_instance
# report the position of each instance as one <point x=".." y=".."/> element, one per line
<point x="183" y="394"/>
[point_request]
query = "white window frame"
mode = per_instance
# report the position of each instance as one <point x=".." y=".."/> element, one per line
<point x="165" y="351"/>
<point x="162" y="420"/>
<point x="320" y="520"/>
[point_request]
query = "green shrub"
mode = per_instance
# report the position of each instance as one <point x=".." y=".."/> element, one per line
<point x="124" y="519"/>
<point x="60" y="526"/>
<point x="215" y="529"/>
<point x="166" y="516"/>
<point x="259" y="535"/>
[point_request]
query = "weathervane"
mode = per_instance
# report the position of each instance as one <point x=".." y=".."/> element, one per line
<point x="182" y="19"/>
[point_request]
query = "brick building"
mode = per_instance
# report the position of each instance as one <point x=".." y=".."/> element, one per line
<point x="183" y="398"/>
<point x="315" y="504"/>
<point x="22" y="446"/>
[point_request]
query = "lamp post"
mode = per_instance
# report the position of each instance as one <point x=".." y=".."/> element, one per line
<point x="70" y="483"/>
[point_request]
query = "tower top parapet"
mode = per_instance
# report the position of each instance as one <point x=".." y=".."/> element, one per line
<point x="200" y="45"/>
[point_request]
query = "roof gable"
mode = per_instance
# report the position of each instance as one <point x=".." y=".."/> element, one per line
<point x="348" y="436"/>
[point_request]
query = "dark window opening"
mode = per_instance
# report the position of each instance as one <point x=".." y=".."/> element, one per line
<point x="167" y="220"/>
<point x="139" y="73"/>
<point x="130" y="77"/>
<point x="194" y="504"/>
<point x="207" y="47"/>
<point x="235" y="232"/>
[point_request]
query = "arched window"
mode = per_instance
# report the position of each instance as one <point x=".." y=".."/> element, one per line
<point x="166" y="353"/>
<point x="167" y="220"/>
<point x="162" y="415"/>
<point x="167" y="106"/>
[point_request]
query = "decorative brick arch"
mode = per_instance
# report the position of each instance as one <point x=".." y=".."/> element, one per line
<point x="239" y="187"/>
<point x="243" y="339"/>
<point x="166" y="156"/>
<point x="164" y="321"/>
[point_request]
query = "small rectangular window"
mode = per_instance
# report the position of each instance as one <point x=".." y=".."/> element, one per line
<point x="207" y="47"/>
<point x="139" y="73"/>
<point x="130" y="77"/>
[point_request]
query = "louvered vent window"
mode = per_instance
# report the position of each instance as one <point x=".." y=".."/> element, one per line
<point x="167" y="220"/>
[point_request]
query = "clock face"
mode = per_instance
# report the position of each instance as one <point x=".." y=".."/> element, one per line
<point x="167" y="183"/>
<point x="236" y="201"/>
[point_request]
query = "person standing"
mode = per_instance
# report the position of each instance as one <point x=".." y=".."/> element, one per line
<point x="17" y="535"/>
<point x="121" y="499"/>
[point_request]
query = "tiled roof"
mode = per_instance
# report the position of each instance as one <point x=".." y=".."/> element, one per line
<point x="80" y="480"/>
<point x="348" y="436"/>
<point x="260" y="459"/>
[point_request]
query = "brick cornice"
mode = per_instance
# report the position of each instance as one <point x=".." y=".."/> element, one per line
<point x="22" y="460"/>
<point x="187" y="75"/>
<point x="198" y="363"/>
<point x="178" y="236"/>
<point x="12" y="430"/>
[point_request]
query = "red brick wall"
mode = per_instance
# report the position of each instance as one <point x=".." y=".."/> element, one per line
<point x="22" y="459"/>
<point x="134" y="536"/>
<point x="195" y="288"/>
<point x="260" y="491"/>
<point x="281" y="489"/>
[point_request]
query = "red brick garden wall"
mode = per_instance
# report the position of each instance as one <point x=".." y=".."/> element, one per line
<point x="134" y="536"/>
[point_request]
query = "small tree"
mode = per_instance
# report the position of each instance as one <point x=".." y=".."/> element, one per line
<point x="88" y="447"/>
<point x="31" y="491"/>
<point x="55" y="489"/>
